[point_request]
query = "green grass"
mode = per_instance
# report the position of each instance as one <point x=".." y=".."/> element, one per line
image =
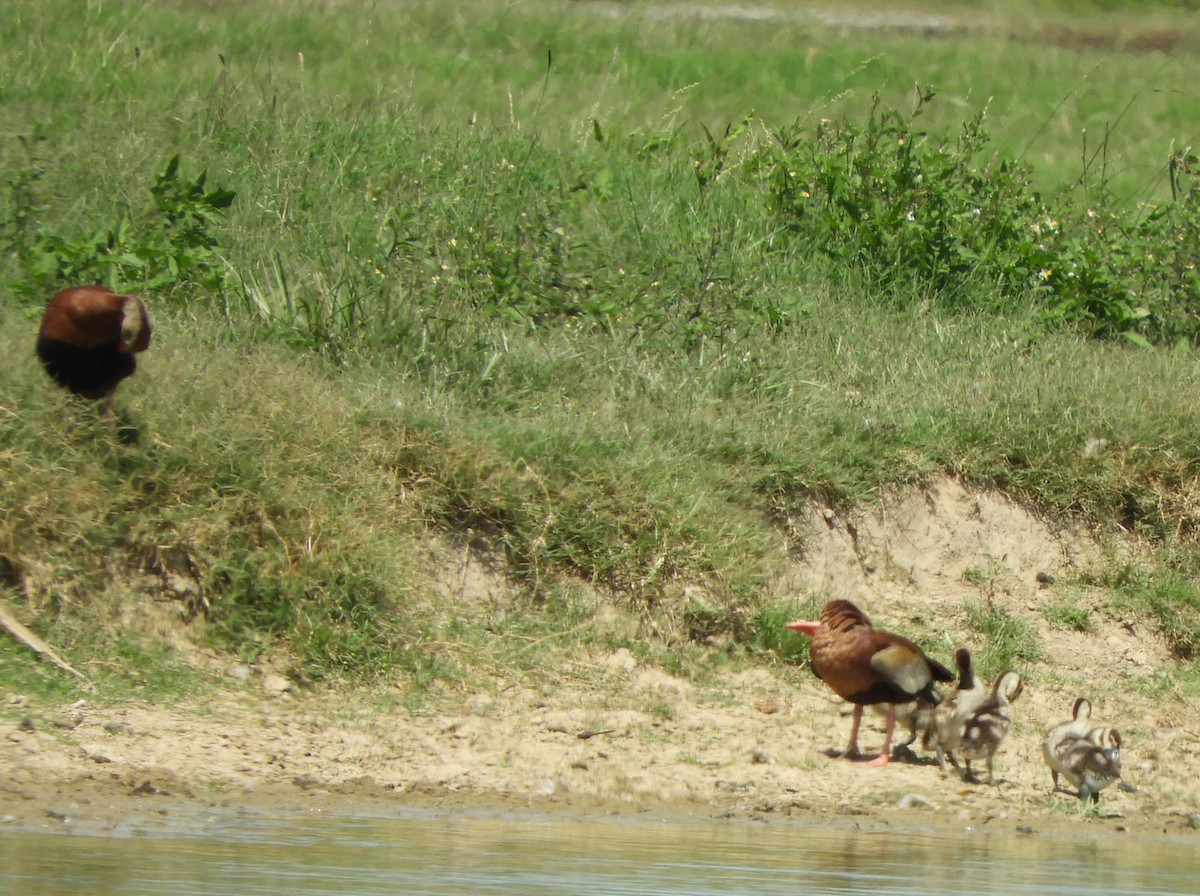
<point x="1162" y="591"/>
<point x="543" y="277"/>
<point x="141" y="665"/>
<point x="1009" y="643"/>
<point x="1069" y="617"/>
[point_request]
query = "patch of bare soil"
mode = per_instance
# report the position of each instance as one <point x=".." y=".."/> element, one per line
<point x="1124" y="36"/>
<point x="617" y="738"/>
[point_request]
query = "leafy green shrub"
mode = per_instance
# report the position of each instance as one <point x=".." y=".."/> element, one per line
<point x="888" y="199"/>
<point x="170" y="243"/>
<point x="884" y="197"/>
<point x="1157" y="255"/>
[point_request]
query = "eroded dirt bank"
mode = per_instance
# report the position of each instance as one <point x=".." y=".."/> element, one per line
<point x="614" y="737"/>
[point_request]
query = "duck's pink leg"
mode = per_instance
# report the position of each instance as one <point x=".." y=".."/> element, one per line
<point x="885" y="755"/>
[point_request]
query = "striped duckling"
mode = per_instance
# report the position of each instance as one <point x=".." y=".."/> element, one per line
<point x="946" y="727"/>
<point x="1086" y="754"/>
<point x="918" y="715"/>
<point x="986" y="726"/>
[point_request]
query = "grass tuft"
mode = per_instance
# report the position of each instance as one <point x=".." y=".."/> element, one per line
<point x="1006" y="642"/>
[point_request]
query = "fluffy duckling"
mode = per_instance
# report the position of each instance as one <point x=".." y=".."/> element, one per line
<point x="918" y="716"/>
<point x="985" y="727"/>
<point x="1088" y="756"/>
<point x="1093" y="762"/>
<point x="971" y="690"/>
<point x="946" y="726"/>
<point x="1080" y="722"/>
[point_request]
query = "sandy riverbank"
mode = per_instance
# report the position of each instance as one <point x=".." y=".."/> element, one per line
<point x="607" y="735"/>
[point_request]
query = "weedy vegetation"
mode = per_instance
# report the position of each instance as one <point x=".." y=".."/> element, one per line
<point x="1069" y="617"/>
<point x="1007" y="642"/>
<point x="555" y="282"/>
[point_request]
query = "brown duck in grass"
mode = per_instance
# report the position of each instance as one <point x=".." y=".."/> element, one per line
<point x="88" y="338"/>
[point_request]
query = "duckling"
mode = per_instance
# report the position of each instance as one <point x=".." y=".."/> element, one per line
<point x="946" y="726"/>
<point x="916" y="716"/>
<point x="1078" y="726"/>
<point x="1090" y="761"/>
<point x="971" y="690"/>
<point x="986" y="726"/>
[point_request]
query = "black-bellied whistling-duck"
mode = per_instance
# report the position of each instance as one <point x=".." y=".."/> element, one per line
<point x="1087" y="755"/>
<point x="985" y="726"/>
<point x="866" y="666"/>
<point x="88" y="339"/>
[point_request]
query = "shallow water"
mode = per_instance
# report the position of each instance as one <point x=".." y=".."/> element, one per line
<point x="427" y="854"/>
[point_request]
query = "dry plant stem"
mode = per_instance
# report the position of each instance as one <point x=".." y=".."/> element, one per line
<point x="11" y="625"/>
